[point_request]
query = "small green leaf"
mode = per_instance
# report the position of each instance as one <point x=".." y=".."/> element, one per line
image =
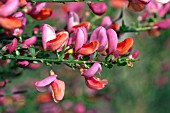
<point x="32" y="51"/>
<point x="62" y="52"/>
<point x="17" y="52"/>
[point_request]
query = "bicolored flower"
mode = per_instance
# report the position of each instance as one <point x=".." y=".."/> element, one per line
<point x="39" y="12"/>
<point x="74" y="22"/>
<point x="81" y="47"/>
<point x="98" y="8"/>
<point x="99" y="34"/>
<point x="57" y="86"/>
<point x="50" y="40"/>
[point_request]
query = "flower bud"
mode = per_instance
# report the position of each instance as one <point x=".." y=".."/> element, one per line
<point x="98" y="8"/>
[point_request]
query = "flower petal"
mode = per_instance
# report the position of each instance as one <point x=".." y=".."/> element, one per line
<point x="12" y="46"/>
<point x="79" y="34"/>
<point x="106" y="22"/>
<point x="43" y="14"/>
<point x="95" y="68"/>
<point x="112" y="40"/>
<point x="164" y="24"/>
<point x="87" y="25"/>
<point x="124" y="46"/>
<point x="100" y="34"/>
<point x="98" y="8"/>
<point x="37" y="8"/>
<point x="89" y="48"/>
<point x="23" y="63"/>
<point x="96" y="83"/>
<point x="48" y="33"/>
<point x="58" y="89"/>
<point x="10" y="22"/>
<point x="56" y="43"/>
<point x="46" y="81"/>
<point x="135" y="54"/>
<point x="30" y="41"/>
<point x="9" y="7"/>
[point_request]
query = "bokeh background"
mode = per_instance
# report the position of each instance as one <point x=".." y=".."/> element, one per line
<point x="143" y="88"/>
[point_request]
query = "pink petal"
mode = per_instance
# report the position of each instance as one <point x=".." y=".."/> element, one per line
<point x="106" y="22"/>
<point x="135" y="54"/>
<point x="145" y="1"/>
<point x="48" y="33"/>
<point x="37" y="8"/>
<point x="23" y="63"/>
<point x="42" y="89"/>
<point x="73" y="19"/>
<point x="79" y="34"/>
<point x="30" y="41"/>
<point x="9" y="7"/>
<point x="12" y="46"/>
<point x="95" y="68"/>
<point x="47" y="81"/>
<point x="98" y="8"/>
<point x="164" y="24"/>
<point x="112" y="40"/>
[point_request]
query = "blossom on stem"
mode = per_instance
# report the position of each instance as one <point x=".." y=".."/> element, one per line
<point x="81" y="47"/>
<point x="98" y="8"/>
<point x="57" y="86"/>
<point x="50" y="40"/>
<point x="95" y="83"/>
<point x="28" y="42"/>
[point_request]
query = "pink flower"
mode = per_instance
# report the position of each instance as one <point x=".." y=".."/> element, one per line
<point x="81" y="46"/>
<point x="9" y="7"/>
<point x="164" y="24"/>
<point x="28" y="42"/>
<point x="79" y="108"/>
<point x="99" y="34"/>
<point x="57" y="86"/>
<point x="50" y="40"/>
<point x="98" y="8"/>
<point x="95" y="68"/>
<point x="22" y="63"/>
<point x="11" y="47"/>
<point x="106" y="22"/>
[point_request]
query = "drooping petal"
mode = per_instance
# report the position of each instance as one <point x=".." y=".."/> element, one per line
<point x="89" y="48"/>
<point x="95" y="68"/>
<point x="56" y="43"/>
<point x="106" y="22"/>
<point x="43" y="14"/>
<point x="164" y="24"/>
<point x="79" y="35"/>
<point x="9" y="7"/>
<point x="48" y="33"/>
<point x="124" y="46"/>
<point x="10" y="22"/>
<point x="112" y="40"/>
<point x="98" y="8"/>
<point x="12" y="46"/>
<point x="30" y="41"/>
<point x="45" y="82"/>
<point x="58" y="89"/>
<point x="96" y="83"/>
<point x="100" y="34"/>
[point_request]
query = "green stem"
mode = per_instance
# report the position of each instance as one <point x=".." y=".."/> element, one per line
<point x="45" y="60"/>
<point x="136" y="29"/>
